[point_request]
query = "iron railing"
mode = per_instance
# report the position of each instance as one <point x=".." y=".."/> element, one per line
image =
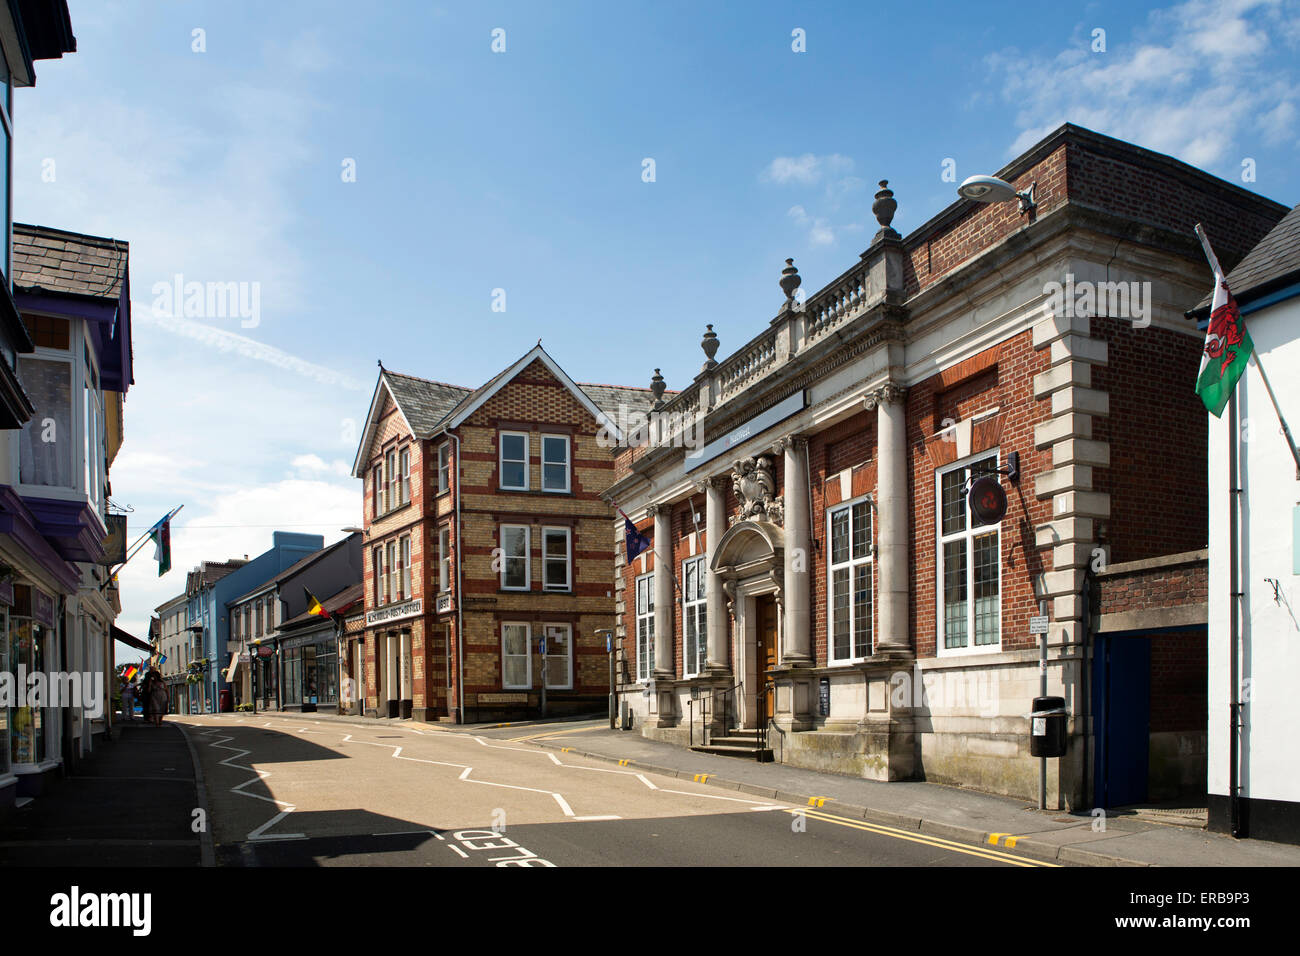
<point x="727" y="696"/>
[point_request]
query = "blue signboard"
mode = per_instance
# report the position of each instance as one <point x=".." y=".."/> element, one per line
<point x="755" y="426"/>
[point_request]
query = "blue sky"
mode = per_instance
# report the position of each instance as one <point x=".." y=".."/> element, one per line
<point x="523" y="171"/>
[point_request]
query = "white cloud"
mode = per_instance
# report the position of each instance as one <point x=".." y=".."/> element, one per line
<point x="1194" y="82"/>
<point x="310" y="466"/>
<point x="236" y="523"/>
<point x="806" y="169"/>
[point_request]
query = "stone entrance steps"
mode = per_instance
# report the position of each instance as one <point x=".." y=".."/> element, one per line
<point x="738" y="743"/>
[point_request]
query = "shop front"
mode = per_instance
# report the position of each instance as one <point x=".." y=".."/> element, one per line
<point x="311" y="669"/>
<point x="32" y="746"/>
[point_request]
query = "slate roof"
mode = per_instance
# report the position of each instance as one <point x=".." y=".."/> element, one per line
<point x="428" y="404"/>
<point x="68" y="263"/>
<point x="210" y="572"/>
<point x="608" y="398"/>
<point x="332" y="604"/>
<point x="1272" y="264"/>
<point x="425" y="403"/>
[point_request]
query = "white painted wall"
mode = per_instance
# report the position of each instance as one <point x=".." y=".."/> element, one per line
<point x="1270" y="636"/>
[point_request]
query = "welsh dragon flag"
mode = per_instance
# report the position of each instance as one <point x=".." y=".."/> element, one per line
<point x="1227" y="350"/>
<point x="162" y="539"/>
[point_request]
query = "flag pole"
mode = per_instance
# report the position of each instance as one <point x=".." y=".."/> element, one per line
<point x="1233" y="493"/>
<point x="1254" y="356"/>
<point x="139" y="544"/>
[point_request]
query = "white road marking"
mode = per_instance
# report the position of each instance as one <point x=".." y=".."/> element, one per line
<point x="455" y="849"/>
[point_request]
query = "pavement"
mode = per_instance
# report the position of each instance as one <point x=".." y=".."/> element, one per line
<point x="130" y="803"/>
<point x="1120" y="838"/>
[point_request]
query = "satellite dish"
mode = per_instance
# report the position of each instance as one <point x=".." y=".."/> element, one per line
<point x="988" y="501"/>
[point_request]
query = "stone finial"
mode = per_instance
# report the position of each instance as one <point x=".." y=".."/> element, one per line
<point x="657" y="387"/>
<point x="710" y="346"/>
<point x="884" y="208"/>
<point x="790" y="279"/>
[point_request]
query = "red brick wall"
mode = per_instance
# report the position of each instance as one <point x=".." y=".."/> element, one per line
<point x="1179" y="671"/>
<point x="1157" y="432"/>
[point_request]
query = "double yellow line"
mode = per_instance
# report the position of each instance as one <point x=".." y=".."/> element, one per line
<point x="546" y="735"/>
<point x="913" y="837"/>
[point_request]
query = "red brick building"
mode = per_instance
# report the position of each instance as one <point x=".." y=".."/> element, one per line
<point x="832" y="595"/>
<point x="487" y="540"/>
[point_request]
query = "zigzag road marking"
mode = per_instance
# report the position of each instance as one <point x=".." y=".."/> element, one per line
<point x="286" y="808"/>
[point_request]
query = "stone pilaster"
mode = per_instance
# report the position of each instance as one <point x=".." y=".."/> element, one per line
<point x="663" y="582"/>
<point x="797" y="649"/>
<point x="892" y="506"/>
<point x="715" y="519"/>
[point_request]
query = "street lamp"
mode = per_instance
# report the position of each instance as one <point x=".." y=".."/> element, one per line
<point x="992" y="189"/>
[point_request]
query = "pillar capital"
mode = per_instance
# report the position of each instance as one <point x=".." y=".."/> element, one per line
<point x="796" y="443"/>
<point x="715" y="482"/>
<point x="888" y="394"/>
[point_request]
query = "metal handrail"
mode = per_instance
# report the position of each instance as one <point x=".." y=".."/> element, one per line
<point x="766" y="719"/>
<point x="706" y="712"/>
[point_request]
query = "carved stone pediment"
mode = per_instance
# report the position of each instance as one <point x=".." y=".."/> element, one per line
<point x="755" y="487"/>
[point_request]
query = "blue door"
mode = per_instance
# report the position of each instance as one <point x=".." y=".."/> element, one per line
<point x="1121" y="698"/>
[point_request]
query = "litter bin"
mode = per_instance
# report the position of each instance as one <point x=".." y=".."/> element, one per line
<point x="1047" y="727"/>
<point x="227" y="704"/>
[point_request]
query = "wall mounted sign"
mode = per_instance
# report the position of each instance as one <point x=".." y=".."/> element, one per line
<point x="988" y="501"/>
<point x="824" y="696"/>
<point x="394" y="612"/>
<point x="115" y="543"/>
<point x="42" y="607"/>
<point x="741" y="434"/>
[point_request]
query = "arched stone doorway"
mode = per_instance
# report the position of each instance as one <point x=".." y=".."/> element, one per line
<point x="750" y="562"/>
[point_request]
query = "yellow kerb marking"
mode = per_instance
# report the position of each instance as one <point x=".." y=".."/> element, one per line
<point x="816" y="801"/>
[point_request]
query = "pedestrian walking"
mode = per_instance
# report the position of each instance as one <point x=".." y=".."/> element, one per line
<point x="156" y="694"/>
<point x="128" y="701"/>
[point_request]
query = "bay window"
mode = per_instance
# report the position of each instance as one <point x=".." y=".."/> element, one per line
<point x="850" y="571"/>
<point x="61" y="449"/>
<point x="969" y="565"/>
